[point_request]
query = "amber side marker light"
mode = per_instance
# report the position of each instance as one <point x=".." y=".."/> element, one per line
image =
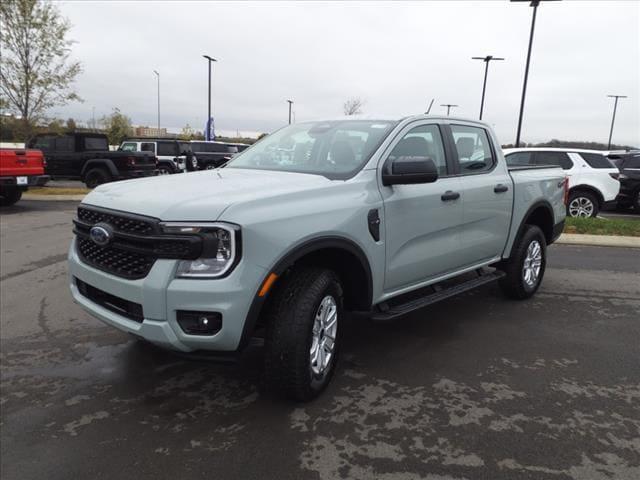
<point x="268" y="283"/>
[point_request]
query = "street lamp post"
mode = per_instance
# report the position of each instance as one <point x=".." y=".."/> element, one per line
<point x="613" y="119"/>
<point x="208" y="132"/>
<point x="290" y="103"/>
<point x="449" y="106"/>
<point x="486" y="61"/>
<point x="534" y="4"/>
<point x="158" y="75"/>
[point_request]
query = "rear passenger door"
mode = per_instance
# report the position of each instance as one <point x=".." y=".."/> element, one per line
<point x="421" y="221"/>
<point x="486" y="193"/>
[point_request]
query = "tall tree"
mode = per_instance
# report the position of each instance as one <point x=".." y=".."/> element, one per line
<point x="117" y="126"/>
<point x="36" y="72"/>
<point x="353" y="106"/>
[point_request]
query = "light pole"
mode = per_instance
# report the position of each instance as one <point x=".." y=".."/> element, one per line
<point x="290" y="103"/>
<point x="615" y="107"/>
<point x="449" y="106"/>
<point x="207" y="134"/>
<point x="534" y="4"/>
<point x="486" y="61"/>
<point x="158" y="75"/>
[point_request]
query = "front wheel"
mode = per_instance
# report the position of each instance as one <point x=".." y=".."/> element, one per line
<point x="303" y="333"/>
<point x="525" y="267"/>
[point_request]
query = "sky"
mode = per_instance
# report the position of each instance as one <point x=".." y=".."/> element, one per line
<point x="395" y="56"/>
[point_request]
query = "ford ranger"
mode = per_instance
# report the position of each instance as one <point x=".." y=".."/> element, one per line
<point x="315" y="220"/>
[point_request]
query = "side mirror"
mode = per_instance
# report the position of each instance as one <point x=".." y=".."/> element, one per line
<point x="409" y="170"/>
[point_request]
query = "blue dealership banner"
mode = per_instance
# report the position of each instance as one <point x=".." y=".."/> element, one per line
<point x="209" y="130"/>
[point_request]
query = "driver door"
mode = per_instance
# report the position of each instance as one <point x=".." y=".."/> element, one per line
<point x="422" y="221"/>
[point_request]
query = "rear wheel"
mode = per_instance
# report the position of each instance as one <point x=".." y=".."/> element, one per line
<point x="303" y="333"/>
<point x="9" y="196"/>
<point x="164" y="170"/>
<point x="525" y="267"/>
<point x="582" y="204"/>
<point x="97" y="176"/>
<point x="636" y="202"/>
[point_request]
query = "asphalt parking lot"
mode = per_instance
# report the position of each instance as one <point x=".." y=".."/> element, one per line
<point x="474" y="387"/>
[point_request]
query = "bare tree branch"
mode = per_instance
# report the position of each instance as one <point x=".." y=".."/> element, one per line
<point x="353" y="106"/>
<point x="36" y="73"/>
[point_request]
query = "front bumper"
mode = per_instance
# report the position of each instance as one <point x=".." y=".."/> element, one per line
<point x="161" y="296"/>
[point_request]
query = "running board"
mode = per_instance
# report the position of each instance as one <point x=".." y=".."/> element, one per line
<point x="385" y="312"/>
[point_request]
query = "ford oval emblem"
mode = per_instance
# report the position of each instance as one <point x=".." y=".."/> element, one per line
<point x="101" y="234"/>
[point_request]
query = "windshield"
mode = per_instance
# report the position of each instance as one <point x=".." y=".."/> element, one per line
<point x="335" y="149"/>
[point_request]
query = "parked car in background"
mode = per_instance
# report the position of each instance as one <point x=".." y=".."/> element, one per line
<point x="172" y="155"/>
<point x="280" y="248"/>
<point x="240" y="146"/>
<point x="593" y="179"/>
<point x="19" y="170"/>
<point x="629" y="166"/>
<point x="211" y="155"/>
<point x="86" y="156"/>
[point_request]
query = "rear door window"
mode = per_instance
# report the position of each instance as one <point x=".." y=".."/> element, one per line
<point x="473" y="148"/>
<point x="129" y="147"/>
<point x="96" y="144"/>
<point x="148" y="147"/>
<point x="560" y="159"/>
<point x="167" y="149"/>
<point x="595" y="160"/>
<point x="64" y="144"/>
<point x="518" y="159"/>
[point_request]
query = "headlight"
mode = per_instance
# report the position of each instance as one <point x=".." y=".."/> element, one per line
<point x="219" y="252"/>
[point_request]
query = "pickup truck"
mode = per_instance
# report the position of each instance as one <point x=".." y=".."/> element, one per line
<point x="19" y="170"/>
<point x="86" y="156"/>
<point x="377" y="216"/>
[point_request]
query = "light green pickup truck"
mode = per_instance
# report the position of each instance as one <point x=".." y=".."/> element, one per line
<point x="313" y="221"/>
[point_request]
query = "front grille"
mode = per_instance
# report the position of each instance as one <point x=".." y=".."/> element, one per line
<point x="130" y="310"/>
<point x="120" y="222"/>
<point x="119" y="262"/>
<point x="136" y="244"/>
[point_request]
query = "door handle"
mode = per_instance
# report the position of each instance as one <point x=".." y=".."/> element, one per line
<point x="449" y="195"/>
<point x="500" y="188"/>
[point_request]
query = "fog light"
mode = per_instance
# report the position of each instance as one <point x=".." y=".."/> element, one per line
<point x="199" y="323"/>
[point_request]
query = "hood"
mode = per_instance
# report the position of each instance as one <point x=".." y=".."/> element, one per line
<point x="198" y="196"/>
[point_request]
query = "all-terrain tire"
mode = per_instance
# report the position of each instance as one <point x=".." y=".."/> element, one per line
<point x="97" y="176"/>
<point x="516" y="284"/>
<point x="290" y="332"/>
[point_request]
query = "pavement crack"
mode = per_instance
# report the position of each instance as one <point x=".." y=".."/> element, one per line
<point x="42" y="319"/>
<point x="45" y="262"/>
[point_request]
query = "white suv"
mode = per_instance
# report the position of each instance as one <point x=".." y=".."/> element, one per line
<point x="593" y="178"/>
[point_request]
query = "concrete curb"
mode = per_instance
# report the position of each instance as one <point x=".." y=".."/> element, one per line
<point x="599" y="240"/>
<point x="53" y="198"/>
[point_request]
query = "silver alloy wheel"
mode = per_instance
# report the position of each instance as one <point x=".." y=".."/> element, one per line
<point x="581" y="207"/>
<point x="163" y="171"/>
<point x="325" y="327"/>
<point x="532" y="264"/>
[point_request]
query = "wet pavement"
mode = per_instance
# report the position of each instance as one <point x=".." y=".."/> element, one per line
<point x="475" y="387"/>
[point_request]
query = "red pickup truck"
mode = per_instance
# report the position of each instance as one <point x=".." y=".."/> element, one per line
<point x="19" y="170"/>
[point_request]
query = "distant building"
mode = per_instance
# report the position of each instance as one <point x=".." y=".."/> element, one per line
<point x="149" y="132"/>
